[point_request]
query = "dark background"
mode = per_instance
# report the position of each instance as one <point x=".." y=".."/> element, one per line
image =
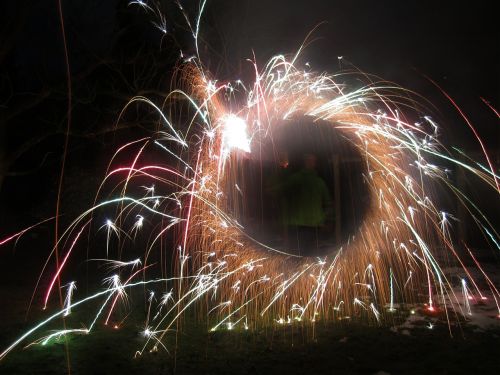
<point x="115" y="52"/>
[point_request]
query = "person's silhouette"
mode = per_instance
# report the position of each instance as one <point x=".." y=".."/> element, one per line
<point x="307" y="199"/>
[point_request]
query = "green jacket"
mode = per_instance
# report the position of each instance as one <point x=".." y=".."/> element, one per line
<point x="306" y="198"/>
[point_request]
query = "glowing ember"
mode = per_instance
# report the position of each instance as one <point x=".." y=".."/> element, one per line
<point x="235" y="134"/>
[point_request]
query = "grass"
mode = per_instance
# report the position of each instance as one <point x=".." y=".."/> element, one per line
<point x="344" y="348"/>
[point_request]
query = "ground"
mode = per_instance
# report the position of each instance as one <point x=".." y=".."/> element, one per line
<point x="405" y="346"/>
<point x="404" y="343"/>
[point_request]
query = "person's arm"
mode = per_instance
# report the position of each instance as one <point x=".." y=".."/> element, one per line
<point x="281" y="183"/>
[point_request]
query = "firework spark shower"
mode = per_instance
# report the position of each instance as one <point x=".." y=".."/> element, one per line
<point x="174" y="230"/>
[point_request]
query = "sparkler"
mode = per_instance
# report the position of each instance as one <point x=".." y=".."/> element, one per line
<point x="232" y="280"/>
<point x="69" y="294"/>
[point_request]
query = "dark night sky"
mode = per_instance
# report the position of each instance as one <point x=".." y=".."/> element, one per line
<point x="442" y="38"/>
<point x="455" y="43"/>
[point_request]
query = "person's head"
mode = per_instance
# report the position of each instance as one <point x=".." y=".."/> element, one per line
<point x="283" y="159"/>
<point x="310" y="161"/>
